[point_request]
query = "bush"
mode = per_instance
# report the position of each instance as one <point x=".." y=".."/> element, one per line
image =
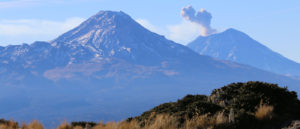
<point x="248" y="105"/>
<point x="83" y="124"/>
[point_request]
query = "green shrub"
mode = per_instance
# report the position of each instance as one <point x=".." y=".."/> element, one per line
<point x="83" y="124"/>
<point x="240" y="103"/>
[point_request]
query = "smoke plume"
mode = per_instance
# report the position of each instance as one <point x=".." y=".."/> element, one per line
<point x="202" y="18"/>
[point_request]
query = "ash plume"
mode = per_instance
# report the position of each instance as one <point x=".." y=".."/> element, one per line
<point x="203" y="18"/>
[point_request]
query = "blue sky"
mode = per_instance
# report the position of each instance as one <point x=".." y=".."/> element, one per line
<point x="275" y="23"/>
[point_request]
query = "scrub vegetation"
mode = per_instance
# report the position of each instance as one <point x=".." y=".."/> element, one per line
<point x="251" y="105"/>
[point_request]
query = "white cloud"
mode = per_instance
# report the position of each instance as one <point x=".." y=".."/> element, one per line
<point x="35" y="28"/>
<point x="17" y="3"/>
<point x="26" y="3"/>
<point x="147" y="24"/>
<point x="183" y="32"/>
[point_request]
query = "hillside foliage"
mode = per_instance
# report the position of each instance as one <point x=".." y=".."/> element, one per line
<point x="251" y="105"/>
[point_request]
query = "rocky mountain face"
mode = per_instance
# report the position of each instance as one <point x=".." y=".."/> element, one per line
<point x="236" y="46"/>
<point x="116" y="35"/>
<point x="108" y="68"/>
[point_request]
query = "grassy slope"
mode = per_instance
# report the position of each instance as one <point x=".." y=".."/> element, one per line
<point x="252" y="105"/>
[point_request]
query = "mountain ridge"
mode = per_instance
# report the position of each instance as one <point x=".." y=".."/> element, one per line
<point x="234" y="45"/>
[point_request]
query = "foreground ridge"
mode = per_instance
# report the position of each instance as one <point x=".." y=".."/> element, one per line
<point x="251" y="105"/>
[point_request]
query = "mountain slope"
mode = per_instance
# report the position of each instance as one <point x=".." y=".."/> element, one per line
<point x="236" y="46"/>
<point x="116" y="35"/>
<point x="108" y="68"/>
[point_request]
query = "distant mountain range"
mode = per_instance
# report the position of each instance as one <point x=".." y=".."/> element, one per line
<point x="236" y="46"/>
<point x="109" y="68"/>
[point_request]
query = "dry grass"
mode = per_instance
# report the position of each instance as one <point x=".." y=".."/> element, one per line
<point x="206" y="121"/>
<point x="154" y="122"/>
<point x="64" y="125"/>
<point x="159" y="122"/>
<point x="10" y="125"/>
<point x="167" y="122"/>
<point x="264" y="112"/>
<point x="14" y="125"/>
<point x="221" y="118"/>
<point x="33" y="125"/>
<point x="162" y="122"/>
<point x="77" y="127"/>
